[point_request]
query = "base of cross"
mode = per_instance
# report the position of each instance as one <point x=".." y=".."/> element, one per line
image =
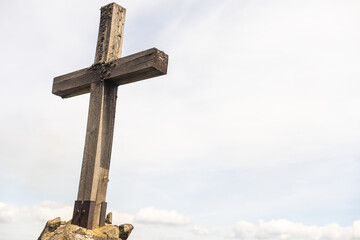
<point x="83" y="215"/>
<point x="57" y="229"/>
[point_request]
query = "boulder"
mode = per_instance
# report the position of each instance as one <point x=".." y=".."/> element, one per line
<point x="58" y="230"/>
<point x="108" y="218"/>
<point x="50" y="227"/>
<point x="125" y="230"/>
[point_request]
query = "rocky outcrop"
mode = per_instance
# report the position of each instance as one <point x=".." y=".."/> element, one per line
<point x="59" y="230"/>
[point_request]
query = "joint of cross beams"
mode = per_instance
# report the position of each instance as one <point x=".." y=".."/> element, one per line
<point x="103" y="69"/>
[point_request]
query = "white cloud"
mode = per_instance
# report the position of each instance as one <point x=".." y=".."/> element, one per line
<point x="8" y="213"/>
<point x="275" y="229"/>
<point x="287" y="230"/>
<point x="121" y="218"/>
<point x="151" y="215"/>
<point x="157" y="216"/>
<point x="201" y="230"/>
<point x="38" y="214"/>
<point x="49" y="210"/>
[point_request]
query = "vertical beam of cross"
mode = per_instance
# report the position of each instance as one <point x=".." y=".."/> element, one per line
<point x="90" y="207"/>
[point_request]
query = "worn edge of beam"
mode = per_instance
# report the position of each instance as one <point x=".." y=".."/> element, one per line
<point x="132" y="68"/>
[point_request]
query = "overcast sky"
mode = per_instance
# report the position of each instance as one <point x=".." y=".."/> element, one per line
<point x="254" y="133"/>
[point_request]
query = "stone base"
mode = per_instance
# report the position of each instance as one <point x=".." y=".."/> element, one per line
<point x="59" y="230"/>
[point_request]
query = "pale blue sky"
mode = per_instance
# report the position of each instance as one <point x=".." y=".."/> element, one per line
<point x="256" y="120"/>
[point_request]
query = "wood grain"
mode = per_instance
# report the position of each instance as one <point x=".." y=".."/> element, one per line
<point x="100" y="127"/>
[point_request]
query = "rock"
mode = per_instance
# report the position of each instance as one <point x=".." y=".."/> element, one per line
<point x="111" y="231"/>
<point x="59" y="230"/>
<point x="108" y="218"/>
<point x="50" y="227"/>
<point x="125" y="230"/>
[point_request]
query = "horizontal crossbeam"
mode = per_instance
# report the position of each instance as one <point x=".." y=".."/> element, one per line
<point x="136" y="67"/>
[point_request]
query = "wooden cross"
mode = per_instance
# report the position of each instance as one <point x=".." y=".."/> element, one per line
<point x="102" y="80"/>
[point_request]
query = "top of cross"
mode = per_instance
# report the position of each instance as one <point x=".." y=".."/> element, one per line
<point x="108" y="65"/>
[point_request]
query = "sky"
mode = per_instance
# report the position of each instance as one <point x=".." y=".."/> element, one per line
<point x="253" y="134"/>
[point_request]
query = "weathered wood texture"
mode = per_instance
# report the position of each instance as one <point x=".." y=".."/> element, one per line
<point x="136" y="67"/>
<point x="99" y="132"/>
<point x="102" y="80"/>
<point x="98" y="144"/>
<point x="111" y="30"/>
